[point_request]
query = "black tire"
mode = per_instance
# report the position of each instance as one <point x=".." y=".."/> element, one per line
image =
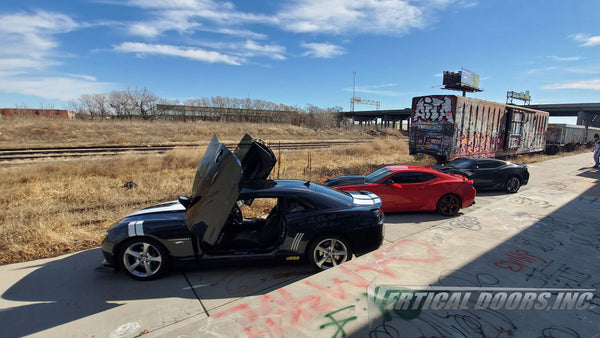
<point x="449" y="205"/>
<point x="144" y="258"/>
<point x="328" y="251"/>
<point x="512" y="184"/>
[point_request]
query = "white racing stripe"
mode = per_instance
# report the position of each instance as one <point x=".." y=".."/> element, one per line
<point x="296" y="241"/>
<point x="135" y="228"/>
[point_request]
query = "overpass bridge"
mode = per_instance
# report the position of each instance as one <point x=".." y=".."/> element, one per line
<point x="587" y="114"/>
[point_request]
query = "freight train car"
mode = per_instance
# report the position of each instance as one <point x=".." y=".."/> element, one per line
<point x="449" y="126"/>
<point x="567" y="137"/>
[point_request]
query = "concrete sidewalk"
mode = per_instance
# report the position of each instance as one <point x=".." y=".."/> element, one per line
<point x="545" y="236"/>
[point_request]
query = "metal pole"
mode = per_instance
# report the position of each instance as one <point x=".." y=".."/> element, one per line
<point x="353" y="92"/>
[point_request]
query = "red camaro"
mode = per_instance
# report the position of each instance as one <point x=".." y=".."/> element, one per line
<point x="412" y="188"/>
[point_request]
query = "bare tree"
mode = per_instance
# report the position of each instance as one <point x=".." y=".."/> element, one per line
<point x="88" y="105"/>
<point x="101" y="105"/>
<point x="120" y="104"/>
<point x="78" y="108"/>
<point x="144" y="103"/>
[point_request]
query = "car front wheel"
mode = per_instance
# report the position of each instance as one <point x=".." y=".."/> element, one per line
<point x="512" y="185"/>
<point x="144" y="258"/>
<point x="328" y="251"/>
<point x="448" y="205"/>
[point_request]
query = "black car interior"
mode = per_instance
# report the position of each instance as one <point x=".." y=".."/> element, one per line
<point x="258" y="233"/>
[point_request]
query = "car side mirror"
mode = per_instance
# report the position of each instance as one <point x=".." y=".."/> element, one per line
<point x="185" y="201"/>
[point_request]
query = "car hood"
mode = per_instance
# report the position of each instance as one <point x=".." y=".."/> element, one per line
<point x="172" y="206"/>
<point x="345" y="180"/>
<point x="219" y="180"/>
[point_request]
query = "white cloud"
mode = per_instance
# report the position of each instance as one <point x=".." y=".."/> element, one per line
<point x="542" y="70"/>
<point x="586" y="84"/>
<point x="336" y="17"/>
<point x="375" y="89"/>
<point x="178" y="51"/>
<point x="322" y="50"/>
<point x="30" y="46"/>
<point x="62" y="88"/>
<point x="187" y="16"/>
<point x="588" y="41"/>
<point x="273" y="51"/>
<point x="564" y="59"/>
<point x="28" y="39"/>
<point x="390" y="17"/>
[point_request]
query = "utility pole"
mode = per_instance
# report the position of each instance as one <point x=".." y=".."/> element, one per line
<point x="353" y="93"/>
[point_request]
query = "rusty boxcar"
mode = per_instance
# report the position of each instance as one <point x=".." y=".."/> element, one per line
<point x="450" y="126"/>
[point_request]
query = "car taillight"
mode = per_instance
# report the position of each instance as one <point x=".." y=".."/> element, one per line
<point x="380" y="216"/>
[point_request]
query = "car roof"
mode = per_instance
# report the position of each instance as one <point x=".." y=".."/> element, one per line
<point x="296" y="188"/>
<point x="478" y="159"/>
<point x="399" y="168"/>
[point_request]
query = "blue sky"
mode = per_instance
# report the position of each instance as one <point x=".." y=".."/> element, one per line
<point x="297" y="52"/>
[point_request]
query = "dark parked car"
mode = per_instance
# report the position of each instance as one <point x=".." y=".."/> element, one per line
<point x="489" y="173"/>
<point x="305" y="221"/>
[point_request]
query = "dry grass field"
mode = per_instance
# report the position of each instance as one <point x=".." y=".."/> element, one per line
<point x="58" y="207"/>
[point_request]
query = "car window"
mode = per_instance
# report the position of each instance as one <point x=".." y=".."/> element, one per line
<point x="412" y="177"/>
<point x="258" y="207"/>
<point x="377" y="175"/>
<point x="296" y="205"/>
<point x="461" y="163"/>
<point x="488" y="164"/>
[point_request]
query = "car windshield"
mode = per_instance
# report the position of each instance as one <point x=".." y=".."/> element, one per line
<point x="340" y="196"/>
<point x="377" y="175"/>
<point x="461" y="163"/>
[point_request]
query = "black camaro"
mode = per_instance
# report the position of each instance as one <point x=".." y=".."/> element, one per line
<point x="489" y="173"/>
<point x="234" y="212"/>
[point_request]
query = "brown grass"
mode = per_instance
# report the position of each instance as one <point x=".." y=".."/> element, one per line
<point x="54" y="208"/>
<point x="17" y="133"/>
<point x="49" y="209"/>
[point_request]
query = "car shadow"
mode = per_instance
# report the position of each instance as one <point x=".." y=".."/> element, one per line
<point x="63" y="290"/>
<point x="415" y="217"/>
<point x="233" y="280"/>
<point x="497" y="192"/>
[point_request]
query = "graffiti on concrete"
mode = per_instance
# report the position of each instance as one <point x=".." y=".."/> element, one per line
<point x="463" y="222"/>
<point x="518" y="259"/>
<point x="339" y="324"/>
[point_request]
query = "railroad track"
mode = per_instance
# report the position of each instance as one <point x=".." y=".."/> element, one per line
<point x="32" y="154"/>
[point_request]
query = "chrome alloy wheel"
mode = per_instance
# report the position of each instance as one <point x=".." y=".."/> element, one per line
<point x="142" y="259"/>
<point x="330" y="252"/>
<point x="513" y="184"/>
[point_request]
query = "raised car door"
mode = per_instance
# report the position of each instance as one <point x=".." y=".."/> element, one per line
<point x="256" y="158"/>
<point x="218" y="182"/>
<point x="214" y="191"/>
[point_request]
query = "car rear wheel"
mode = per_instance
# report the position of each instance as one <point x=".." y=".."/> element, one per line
<point x="328" y="251"/>
<point x="448" y="205"/>
<point x="512" y="185"/>
<point x="144" y="258"/>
